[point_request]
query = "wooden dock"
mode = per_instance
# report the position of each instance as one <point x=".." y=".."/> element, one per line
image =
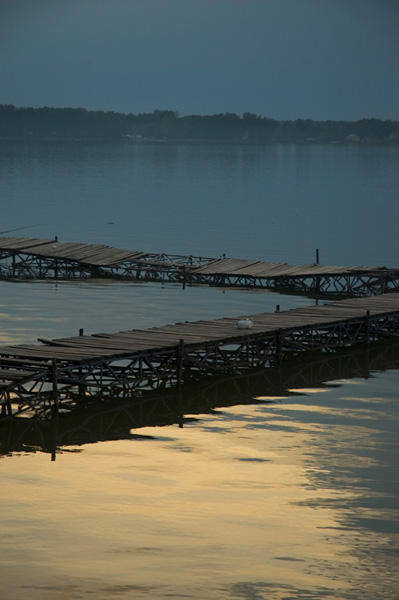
<point x="35" y="258"/>
<point x="115" y="419"/>
<point x="33" y="377"/>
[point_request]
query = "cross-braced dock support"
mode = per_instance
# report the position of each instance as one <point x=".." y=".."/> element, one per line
<point x="120" y="373"/>
<point x="44" y="259"/>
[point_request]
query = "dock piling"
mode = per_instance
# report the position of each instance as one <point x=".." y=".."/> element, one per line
<point x="279" y="347"/>
<point x="55" y="383"/>
<point x="368" y="326"/>
<point x="180" y="354"/>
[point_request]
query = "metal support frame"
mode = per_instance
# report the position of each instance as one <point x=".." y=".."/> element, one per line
<point x="149" y="267"/>
<point x="43" y="387"/>
<point x="182" y="269"/>
<point x="361" y="284"/>
<point x="115" y="419"/>
<point x="22" y="391"/>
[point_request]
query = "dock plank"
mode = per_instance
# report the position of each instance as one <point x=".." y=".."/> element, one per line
<point x="63" y="257"/>
<point x="147" y="358"/>
<point x="125" y="343"/>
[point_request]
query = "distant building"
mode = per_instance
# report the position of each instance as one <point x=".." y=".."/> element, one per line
<point x="353" y="137"/>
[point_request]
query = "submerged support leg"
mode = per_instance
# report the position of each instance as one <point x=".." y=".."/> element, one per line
<point x="6" y="408"/>
<point x="368" y="327"/>
<point x="279" y="347"/>
<point x="179" y="369"/>
<point x="55" y="384"/>
<point x="55" y="437"/>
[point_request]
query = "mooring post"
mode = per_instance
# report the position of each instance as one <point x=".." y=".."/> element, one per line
<point x="279" y="347"/>
<point x="384" y="285"/>
<point x="184" y="277"/>
<point x="9" y="405"/>
<point x="180" y="354"/>
<point x="81" y="387"/>
<point x="318" y="285"/>
<point x="6" y="407"/>
<point x="181" y="414"/>
<point x="55" y="383"/>
<point x="368" y="327"/>
<point x="317" y="256"/>
<point x="55" y="437"/>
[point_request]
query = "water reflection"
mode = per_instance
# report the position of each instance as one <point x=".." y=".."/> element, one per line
<point x="71" y="305"/>
<point x="99" y="419"/>
<point x="249" y="499"/>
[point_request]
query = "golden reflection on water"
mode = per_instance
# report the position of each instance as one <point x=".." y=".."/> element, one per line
<point x="277" y="500"/>
<point x="307" y="390"/>
<point x="167" y="516"/>
<point x="232" y="515"/>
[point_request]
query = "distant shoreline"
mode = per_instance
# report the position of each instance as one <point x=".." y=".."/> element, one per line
<point x="165" y="126"/>
<point x="197" y="141"/>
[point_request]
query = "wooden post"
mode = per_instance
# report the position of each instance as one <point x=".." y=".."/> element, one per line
<point x="55" y="383"/>
<point x="9" y="406"/>
<point x="55" y="437"/>
<point x="184" y="277"/>
<point x="80" y="332"/>
<point x="384" y="283"/>
<point x="317" y="285"/>
<point x="317" y="256"/>
<point x="6" y="408"/>
<point x="279" y="347"/>
<point x="181" y="415"/>
<point x="180" y="354"/>
<point x="368" y="327"/>
<point x="55" y="409"/>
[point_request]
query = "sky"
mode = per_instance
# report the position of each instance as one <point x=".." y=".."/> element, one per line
<point x="283" y="59"/>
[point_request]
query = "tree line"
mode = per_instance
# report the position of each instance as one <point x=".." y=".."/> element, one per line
<point x="167" y="125"/>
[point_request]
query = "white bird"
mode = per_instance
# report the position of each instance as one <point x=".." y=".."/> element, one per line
<point x="245" y="323"/>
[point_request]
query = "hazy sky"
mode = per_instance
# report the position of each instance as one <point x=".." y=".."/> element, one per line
<point x="285" y="59"/>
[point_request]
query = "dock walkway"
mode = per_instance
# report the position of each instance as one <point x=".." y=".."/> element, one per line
<point x="32" y="376"/>
<point x="45" y="258"/>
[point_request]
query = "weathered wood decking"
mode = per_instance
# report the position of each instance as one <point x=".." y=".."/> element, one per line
<point x="41" y="258"/>
<point x="159" y="356"/>
<point x="116" y="419"/>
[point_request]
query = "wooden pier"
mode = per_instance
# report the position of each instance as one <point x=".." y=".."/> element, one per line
<point x="35" y="258"/>
<point x="115" y="419"/>
<point x="34" y="377"/>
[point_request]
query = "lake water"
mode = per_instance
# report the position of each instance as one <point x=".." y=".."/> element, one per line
<point x="269" y="486"/>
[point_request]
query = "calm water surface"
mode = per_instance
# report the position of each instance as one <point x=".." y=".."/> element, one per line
<point x="264" y="202"/>
<point x="269" y="486"/>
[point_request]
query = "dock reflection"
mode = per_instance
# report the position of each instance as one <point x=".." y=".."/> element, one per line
<point x="98" y="419"/>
